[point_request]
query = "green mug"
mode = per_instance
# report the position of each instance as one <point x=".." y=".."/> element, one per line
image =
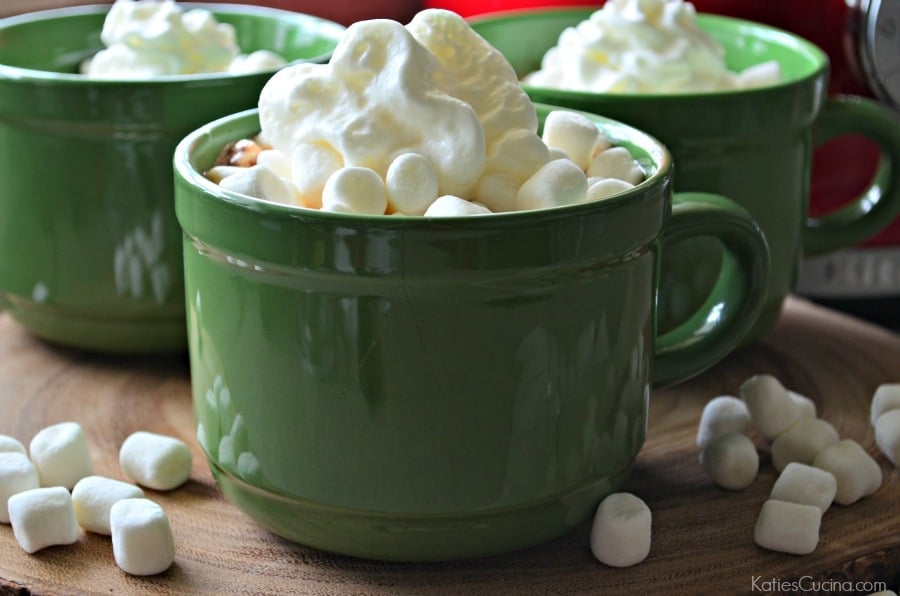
<point x="754" y="146"/>
<point x="411" y="388"/>
<point x="90" y="251"/>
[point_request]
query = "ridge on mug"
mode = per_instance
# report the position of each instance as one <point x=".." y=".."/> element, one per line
<point x="753" y="145"/>
<point x="90" y="250"/>
<point x="415" y="388"/>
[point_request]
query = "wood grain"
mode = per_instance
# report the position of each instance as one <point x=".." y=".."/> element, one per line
<point x="702" y="536"/>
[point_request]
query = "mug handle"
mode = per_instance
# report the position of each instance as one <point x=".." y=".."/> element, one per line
<point x="877" y="206"/>
<point x="729" y="312"/>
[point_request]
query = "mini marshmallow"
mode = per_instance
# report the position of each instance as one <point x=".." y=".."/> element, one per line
<point x="556" y="153"/>
<point x="262" y="183"/>
<point x="93" y="497"/>
<point x="311" y="165"/>
<point x="276" y="161"/>
<point x="616" y="162"/>
<point x="411" y="183"/>
<point x="620" y="534"/>
<point x="772" y="409"/>
<point x="254" y="62"/>
<point x="806" y="485"/>
<point x="141" y="537"/>
<point x="731" y="461"/>
<point x="574" y="134"/>
<point x="857" y="474"/>
<point x="219" y="173"/>
<point x="885" y="398"/>
<point x="11" y="445"/>
<point x="803" y="442"/>
<point x="558" y="182"/>
<point x="605" y="188"/>
<point x="451" y="206"/>
<point x="43" y="517"/>
<point x="722" y="415"/>
<point x="355" y="190"/>
<point x="496" y="191"/>
<point x="760" y="75"/>
<point x="788" y="527"/>
<point x="61" y="455"/>
<point x="17" y="474"/>
<point x="806" y="406"/>
<point x="156" y="461"/>
<point x="887" y="435"/>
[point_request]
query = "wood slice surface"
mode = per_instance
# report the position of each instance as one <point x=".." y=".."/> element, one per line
<point x="702" y="535"/>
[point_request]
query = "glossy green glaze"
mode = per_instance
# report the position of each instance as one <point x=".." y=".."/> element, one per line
<point x="753" y="146"/>
<point x="407" y="388"/>
<point x="90" y="251"/>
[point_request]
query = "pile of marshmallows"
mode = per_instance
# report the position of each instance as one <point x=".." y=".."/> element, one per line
<point x="35" y="495"/>
<point x="815" y="468"/>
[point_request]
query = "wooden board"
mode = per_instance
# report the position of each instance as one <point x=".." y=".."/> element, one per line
<point x="702" y="536"/>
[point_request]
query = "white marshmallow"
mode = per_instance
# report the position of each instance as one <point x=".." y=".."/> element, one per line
<point x="61" y="455"/>
<point x="257" y="61"/>
<point x="311" y="166"/>
<point x="43" y="517"/>
<point x="760" y="75"/>
<point x="93" y="497"/>
<point x="722" y="415"/>
<point x="806" y="485"/>
<point x="573" y="133"/>
<point x="771" y="407"/>
<point x="788" y="527"/>
<point x="411" y="183"/>
<point x="450" y="206"/>
<point x="803" y="442"/>
<point x="857" y="474"/>
<point x="806" y="406"/>
<point x="620" y="534"/>
<point x="276" y="161"/>
<point x="141" y="537"/>
<point x="496" y="191"/>
<point x="17" y="474"/>
<point x="605" y="188"/>
<point x="355" y="190"/>
<point x="887" y="435"/>
<point x="556" y="153"/>
<point x="219" y="173"/>
<point x="616" y="162"/>
<point x="262" y="183"/>
<point x="558" y="182"/>
<point x="731" y="461"/>
<point x="11" y="445"/>
<point x="156" y="461"/>
<point x="885" y="398"/>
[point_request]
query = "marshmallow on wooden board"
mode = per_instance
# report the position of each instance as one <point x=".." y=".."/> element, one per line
<point x="575" y="134"/>
<point x="731" y="461"/>
<point x="887" y="435"/>
<point x="155" y="461"/>
<point x="142" y="538"/>
<point x="17" y="474"/>
<point x="355" y="190"/>
<point x="885" y="398"/>
<point x="806" y="485"/>
<point x="452" y="206"/>
<point x="857" y="474"/>
<point x="412" y="184"/>
<point x="43" y="517"/>
<point x="788" y="527"/>
<point x="262" y="183"/>
<point x="11" y="445"/>
<point x="803" y="442"/>
<point x="61" y="455"/>
<point x="616" y="162"/>
<point x="93" y="497"/>
<point x="722" y="415"/>
<point x="620" y="534"/>
<point x="558" y="182"/>
<point x="772" y="408"/>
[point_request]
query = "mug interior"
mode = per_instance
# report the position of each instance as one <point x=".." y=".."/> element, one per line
<point x="525" y="36"/>
<point x="25" y="51"/>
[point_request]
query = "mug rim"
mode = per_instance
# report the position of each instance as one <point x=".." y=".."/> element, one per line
<point x="324" y="28"/>
<point x="783" y="37"/>
<point x="184" y="168"/>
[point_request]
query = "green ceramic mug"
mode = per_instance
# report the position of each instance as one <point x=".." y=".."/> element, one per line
<point x="90" y="251"/>
<point x="411" y="388"/>
<point x="753" y="146"/>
